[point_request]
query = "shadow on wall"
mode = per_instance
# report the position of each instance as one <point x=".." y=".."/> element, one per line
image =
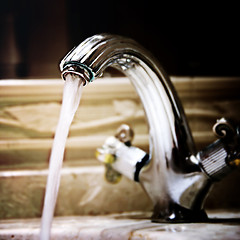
<point x="35" y="35"/>
<point x="33" y="38"/>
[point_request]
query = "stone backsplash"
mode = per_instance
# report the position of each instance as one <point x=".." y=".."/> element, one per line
<point x="29" y="111"/>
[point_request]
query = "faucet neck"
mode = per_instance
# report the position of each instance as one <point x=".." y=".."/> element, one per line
<point x="166" y="119"/>
<point x="170" y="139"/>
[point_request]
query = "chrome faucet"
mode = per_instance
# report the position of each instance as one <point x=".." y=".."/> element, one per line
<point x="175" y="176"/>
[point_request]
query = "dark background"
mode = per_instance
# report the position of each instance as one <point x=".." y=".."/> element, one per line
<point x="196" y="40"/>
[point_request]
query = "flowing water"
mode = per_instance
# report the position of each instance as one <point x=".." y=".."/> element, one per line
<point x="71" y="98"/>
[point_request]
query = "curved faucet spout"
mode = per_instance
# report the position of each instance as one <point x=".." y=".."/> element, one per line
<point x="170" y="179"/>
<point x="154" y="87"/>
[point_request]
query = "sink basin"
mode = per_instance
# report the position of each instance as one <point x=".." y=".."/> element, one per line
<point x="26" y="138"/>
<point x="133" y="225"/>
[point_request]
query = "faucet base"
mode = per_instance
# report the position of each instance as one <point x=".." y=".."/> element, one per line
<point x="178" y="214"/>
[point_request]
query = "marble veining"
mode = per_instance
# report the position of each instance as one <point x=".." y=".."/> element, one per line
<point x="134" y="225"/>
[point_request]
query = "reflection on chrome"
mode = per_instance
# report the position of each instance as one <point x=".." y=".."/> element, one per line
<point x="173" y="174"/>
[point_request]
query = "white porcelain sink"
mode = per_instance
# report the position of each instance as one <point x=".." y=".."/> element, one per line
<point x="135" y="226"/>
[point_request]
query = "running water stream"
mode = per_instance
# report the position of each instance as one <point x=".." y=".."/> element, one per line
<point x="71" y="99"/>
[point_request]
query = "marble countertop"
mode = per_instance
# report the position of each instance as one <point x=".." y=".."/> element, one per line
<point x="135" y="226"/>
